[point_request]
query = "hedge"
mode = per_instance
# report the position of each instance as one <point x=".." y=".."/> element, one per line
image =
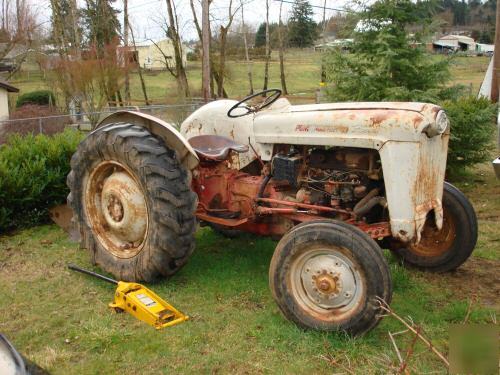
<point x="40" y="97"/>
<point x="33" y="172"/>
<point x="472" y="122"/>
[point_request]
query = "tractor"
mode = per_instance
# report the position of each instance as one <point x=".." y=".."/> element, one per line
<point x="336" y="183"/>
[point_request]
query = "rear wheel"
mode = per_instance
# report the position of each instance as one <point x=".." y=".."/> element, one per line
<point x="132" y="202"/>
<point x="326" y="275"/>
<point x="446" y="249"/>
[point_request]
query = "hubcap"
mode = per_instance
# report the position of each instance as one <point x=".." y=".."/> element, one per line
<point x="325" y="279"/>
<point x="117" y="209"/>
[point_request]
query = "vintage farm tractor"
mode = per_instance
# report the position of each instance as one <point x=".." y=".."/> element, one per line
<point x="336" y="182"/>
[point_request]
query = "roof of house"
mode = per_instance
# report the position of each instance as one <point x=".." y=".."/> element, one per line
<point x="4" y="85"/>
<point x="460" y="38"/>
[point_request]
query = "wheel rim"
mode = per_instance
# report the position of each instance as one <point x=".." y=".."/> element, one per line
<point x="116" y="209"/>
<point x="435" y="242"/>
<point x="324" y="280"/>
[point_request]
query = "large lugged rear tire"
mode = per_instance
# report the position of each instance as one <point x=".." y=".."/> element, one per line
<point x="446" y="249"/>
<point x="326" y="275"/>
<point x="132" y="203"/>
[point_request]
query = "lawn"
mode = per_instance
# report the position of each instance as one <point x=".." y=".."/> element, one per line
<point x="60" y="319"/>
<point x="302" y="71"/>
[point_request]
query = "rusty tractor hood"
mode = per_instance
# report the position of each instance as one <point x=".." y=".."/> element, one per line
<point x="365" y="124"/>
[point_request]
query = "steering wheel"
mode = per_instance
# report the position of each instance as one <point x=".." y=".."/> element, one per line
<point x="266" y="101"/>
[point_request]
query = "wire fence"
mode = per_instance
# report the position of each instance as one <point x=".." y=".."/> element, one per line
<point x="171" y="113"/>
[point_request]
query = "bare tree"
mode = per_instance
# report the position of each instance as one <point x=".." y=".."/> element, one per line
<point x="173" y="34"/>
<point x="214" y="73"/>
<point x="139" y="68"/>
<point x="281" y="53"/>
<point x="268" y="49"/>
<point x="19" y="26"/>
<point x="245" y="43"/>
<point x="223" y="30"/>
<point x="83" y="79"/>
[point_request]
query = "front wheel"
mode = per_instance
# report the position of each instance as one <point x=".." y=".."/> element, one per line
<point x="446" y="249"/>
<point x="326" y="275"/>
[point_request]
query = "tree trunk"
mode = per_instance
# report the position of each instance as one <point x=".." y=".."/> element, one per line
<point x="247" y="58"/>
<point x="281" y="54"/>
<point x="222" y="63"/>
<point x="268" y="49"/>
<point x="181" y="76"/>
<point x="76" y="30"/>
<point x="139" y="70"/>
<point x="126" y="61"/>
<point x="204" y="35"/>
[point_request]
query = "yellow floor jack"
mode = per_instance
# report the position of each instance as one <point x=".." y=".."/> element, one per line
<point x="140" y="302"/>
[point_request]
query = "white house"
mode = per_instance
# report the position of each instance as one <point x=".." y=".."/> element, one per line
<point x="155" y="56"/>
<point x="5" y="88"/>
<point x="455" y="43"/>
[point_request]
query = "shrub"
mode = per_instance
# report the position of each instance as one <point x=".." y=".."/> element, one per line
<point x="33" y="172"/>
<point x="472" y="124"/>
<point x="40" y="97"/>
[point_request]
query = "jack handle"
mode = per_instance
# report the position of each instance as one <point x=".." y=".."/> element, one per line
<point x="91" y="273"/>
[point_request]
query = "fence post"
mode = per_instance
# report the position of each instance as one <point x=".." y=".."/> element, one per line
<point x="40" y="125"/>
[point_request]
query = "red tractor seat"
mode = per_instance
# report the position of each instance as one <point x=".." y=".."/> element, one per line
<point x="215" y="147"/>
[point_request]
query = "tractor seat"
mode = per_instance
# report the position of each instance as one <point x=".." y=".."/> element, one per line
<point x="215" y="147"/>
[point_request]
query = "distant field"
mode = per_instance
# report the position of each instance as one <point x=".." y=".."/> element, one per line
<point x="302" y="71"/>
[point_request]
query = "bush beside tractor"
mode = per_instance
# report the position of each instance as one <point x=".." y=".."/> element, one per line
<point x="334" y="182"/>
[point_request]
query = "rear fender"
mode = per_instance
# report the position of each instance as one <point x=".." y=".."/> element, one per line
<point x="172" y="138"/>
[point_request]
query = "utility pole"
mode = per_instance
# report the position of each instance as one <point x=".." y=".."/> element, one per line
<point x="268" y="49"/>
<point x="495" y="81"/>
<point x="323" y="70"/>
<point x="205" y="27"/>
<point x="247" y="57"/>
<point x="125" y="55"/>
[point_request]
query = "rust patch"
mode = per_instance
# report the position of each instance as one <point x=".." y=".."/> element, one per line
<point x="378" y="119"/>
<point x="417" y="120"/>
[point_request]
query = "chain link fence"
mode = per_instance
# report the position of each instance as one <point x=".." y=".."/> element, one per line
<point x="171" y="113"/>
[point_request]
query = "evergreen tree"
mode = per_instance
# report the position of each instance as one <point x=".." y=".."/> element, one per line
<point x="260" y="35"/>
<point x="387" y="62"/>
<point x="101" y="23"/>
<point x="302" y="30"/>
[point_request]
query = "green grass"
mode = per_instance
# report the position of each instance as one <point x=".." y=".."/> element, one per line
<point x="60" y="319"/>
<point x="302" y="71"/>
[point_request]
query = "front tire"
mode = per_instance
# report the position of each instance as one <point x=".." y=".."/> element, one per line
<point x="446" y="249"/>
<point x="326" y="275"/>
<point x="132" y="203"/>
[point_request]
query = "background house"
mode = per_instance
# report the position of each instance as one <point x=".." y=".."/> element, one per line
<point x="155" y="56"/>
<point x="454" y="43"/>
<point x="5" y="88"/>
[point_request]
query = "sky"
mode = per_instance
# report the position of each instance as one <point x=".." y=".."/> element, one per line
<point x="147" y="16"/>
